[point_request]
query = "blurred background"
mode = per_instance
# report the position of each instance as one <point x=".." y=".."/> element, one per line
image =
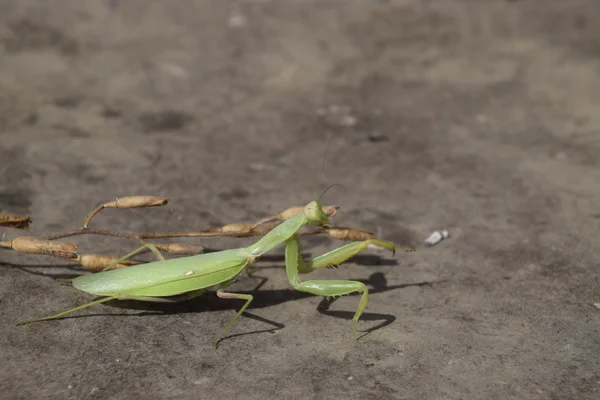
<point x="479" y="117"/>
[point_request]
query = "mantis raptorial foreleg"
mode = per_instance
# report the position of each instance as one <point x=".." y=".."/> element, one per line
<point x="341" y="254"/>
<point x="328" y="288"/>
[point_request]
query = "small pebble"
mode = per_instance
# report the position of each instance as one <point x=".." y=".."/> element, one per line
<point x="376" y="136"/>
<point x="436" y="237"/>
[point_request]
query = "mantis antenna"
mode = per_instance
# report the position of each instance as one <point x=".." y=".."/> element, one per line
<point x="3" y="170"/>
<point x="329" y="187"/>
<point x="325" y="158"/>
<point x="323" y="167"/>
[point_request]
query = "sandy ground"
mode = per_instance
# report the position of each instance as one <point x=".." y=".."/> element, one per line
<point x="477" y="117"/>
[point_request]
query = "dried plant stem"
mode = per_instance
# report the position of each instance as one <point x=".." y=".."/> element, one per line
<point x="127" y="202"/>
<point x="97" y="262"/>
<point x="337" y="233"/>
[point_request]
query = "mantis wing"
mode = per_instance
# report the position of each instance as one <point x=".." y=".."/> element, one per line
<point x="166" y="278"/>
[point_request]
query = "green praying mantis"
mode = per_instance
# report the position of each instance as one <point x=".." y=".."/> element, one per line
<point x="191" y="276"/>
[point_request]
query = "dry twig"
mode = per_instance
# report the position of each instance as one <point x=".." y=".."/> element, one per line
<point x="97" y="262"/>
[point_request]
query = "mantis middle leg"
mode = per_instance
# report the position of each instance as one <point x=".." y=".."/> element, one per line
<point x="150" y="246"/>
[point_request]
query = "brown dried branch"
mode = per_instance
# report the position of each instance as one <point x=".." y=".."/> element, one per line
<point x="92" y="262"/>
<point x="262" y="227"/>
<point x="233" y="230"/>
<point x="127" y="202"/>
<point x="97" y="262"/>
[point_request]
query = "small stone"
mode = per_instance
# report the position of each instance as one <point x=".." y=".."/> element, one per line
<point x="377" y="137"/>
<point x="436" y="237"/>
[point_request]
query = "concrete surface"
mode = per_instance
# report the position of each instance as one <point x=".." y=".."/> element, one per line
<point x="478" y="117"/>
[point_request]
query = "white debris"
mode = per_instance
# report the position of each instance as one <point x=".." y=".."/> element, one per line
<point x="436" y="237"/>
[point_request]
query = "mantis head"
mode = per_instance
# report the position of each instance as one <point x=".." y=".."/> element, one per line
<point x="315" y="214"/>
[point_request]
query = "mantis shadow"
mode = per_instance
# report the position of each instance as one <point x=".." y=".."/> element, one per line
<point x="209" y="302"/>
<point x="379" y="284"/>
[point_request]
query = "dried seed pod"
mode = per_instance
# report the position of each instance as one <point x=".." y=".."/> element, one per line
<point x="97" y="262"/>
<point x="31" y="245"/>
<point x="236" y="229"/>
<point x="14" y="221"/>
<point x="127" y="202"/>
<point x="289" y="213"/>
<point x="137" y="201"/>
<point x="233" y="230"/>
<point x="179" y="248"/>
<point x="331" y="210"/>
<point x="263" y="229"/>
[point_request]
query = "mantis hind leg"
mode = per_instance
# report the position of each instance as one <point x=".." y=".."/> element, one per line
<point x="226" y="295"/>
<point x="328" y="288"/>
<point x="69" y="311"/>
<point x="173" y="299"/>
